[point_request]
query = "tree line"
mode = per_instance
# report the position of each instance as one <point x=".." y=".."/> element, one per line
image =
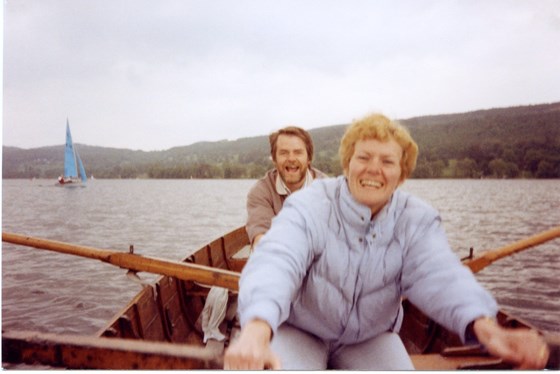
<point x="517" y="142"/>
<point x="525" y="162"/>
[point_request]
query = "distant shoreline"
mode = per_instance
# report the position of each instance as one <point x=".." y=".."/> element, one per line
<point x="517" y="142"/>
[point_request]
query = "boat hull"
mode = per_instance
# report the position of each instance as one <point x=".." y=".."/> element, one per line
<point x="69" y="182"/>
<point x="169" y="310"/>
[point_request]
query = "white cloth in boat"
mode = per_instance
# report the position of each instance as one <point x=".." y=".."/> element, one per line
<point x="213" y="313"/>
<point x="327" y="268"/>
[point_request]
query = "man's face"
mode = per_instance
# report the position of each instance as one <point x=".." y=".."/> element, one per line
<point x="292" y="161"/>
<point x="374" y="172"/>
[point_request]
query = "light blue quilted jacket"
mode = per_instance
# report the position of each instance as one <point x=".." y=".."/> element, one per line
<point x="327" y="268"/>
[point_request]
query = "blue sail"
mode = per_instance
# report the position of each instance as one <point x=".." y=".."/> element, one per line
<point x="70" y="170"/>
<point x="71" y="163"/>
<point x="82" y="170"/>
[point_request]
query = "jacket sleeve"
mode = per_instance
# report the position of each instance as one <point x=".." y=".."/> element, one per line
<point x="275" y="271"/>
<point x="434" y="279"/>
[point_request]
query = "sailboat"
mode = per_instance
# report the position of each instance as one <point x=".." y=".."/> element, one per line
<point x="74" y="172"/>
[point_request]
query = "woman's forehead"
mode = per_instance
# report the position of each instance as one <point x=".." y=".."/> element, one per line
<point x="389" y="146"/>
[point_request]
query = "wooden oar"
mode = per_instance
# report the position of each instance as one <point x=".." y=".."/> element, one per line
<point x="480" y="262"/>
<point x="181" y="270"/>
<point x="88" y="352"/>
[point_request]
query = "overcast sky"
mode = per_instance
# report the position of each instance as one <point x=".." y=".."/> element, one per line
<point x="151" y="75"/>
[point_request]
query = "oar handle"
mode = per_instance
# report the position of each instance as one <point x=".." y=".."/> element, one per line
<point x="181" y="270"/>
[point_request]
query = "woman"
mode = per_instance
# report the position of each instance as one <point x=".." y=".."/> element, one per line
<point x="323" y="288"/>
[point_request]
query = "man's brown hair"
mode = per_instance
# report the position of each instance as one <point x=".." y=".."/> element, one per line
<point x="292" y="131"/>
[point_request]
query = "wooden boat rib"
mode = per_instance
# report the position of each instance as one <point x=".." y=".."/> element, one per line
<point x="160" y="328"/>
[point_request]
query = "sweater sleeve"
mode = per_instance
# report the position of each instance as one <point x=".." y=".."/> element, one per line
<point x="264" y="203"/>
<point x="260" y="209"/>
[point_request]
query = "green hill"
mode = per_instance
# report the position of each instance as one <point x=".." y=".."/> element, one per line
<point x="501" y="143"/>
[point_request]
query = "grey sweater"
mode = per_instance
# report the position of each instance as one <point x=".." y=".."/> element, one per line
<point x="264" y="203"/>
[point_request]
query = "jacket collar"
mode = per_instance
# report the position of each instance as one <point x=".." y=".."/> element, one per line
<point x="358" y="214"/>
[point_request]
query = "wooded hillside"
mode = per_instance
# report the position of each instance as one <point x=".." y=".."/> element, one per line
<point x="516" y="142"/>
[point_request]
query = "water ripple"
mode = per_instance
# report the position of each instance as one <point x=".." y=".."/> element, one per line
<point x="51" y="292"/>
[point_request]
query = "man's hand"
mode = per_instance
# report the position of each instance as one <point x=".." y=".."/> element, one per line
<point x="256" y="241"/>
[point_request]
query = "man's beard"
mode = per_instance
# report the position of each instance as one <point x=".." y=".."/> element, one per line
<point x="293" y="178"/>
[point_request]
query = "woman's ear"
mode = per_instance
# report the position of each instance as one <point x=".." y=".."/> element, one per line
<point x="402" y="178"/>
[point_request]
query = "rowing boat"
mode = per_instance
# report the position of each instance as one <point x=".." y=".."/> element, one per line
<point x="166" y="324"/>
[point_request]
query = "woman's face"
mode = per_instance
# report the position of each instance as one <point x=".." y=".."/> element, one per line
<point x="374" y="172"/>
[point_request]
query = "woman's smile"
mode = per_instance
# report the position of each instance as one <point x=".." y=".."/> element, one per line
<point x="374" y="172"/>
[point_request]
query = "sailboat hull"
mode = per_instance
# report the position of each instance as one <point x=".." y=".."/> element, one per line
<point x="69" y="181"/>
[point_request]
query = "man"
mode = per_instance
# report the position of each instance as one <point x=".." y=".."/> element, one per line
<point x="291" y="149"/>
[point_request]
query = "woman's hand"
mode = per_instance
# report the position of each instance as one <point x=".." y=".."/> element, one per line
<point x="251" y="350"/>
<point x="522" y="347"/>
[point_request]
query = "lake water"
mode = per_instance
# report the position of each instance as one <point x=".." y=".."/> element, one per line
<point x="58" y="293"/>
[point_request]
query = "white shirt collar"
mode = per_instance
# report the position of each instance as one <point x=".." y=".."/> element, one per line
<point x="282" y="189"/>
